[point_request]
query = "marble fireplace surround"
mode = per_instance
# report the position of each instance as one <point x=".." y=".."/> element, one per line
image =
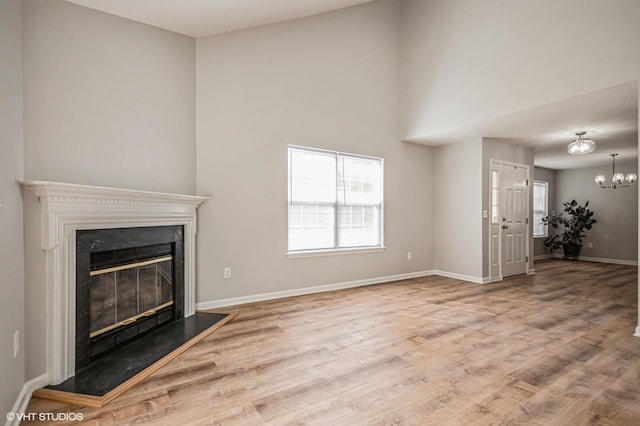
<point x="65" y="208"/>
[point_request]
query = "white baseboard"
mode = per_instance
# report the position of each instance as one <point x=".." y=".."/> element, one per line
<point x="543" y="256"/>
<point x="615" y="261"/>
<point x="213" y="304"/>
<point x="589" y="259"/>
<point x="462" y="277"/>
<point x="637" y="333"/>
<point x="21" y="403"/>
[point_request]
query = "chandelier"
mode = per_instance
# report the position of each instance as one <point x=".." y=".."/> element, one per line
<point x="581" y="145"/>
<point x="618" y="180"/>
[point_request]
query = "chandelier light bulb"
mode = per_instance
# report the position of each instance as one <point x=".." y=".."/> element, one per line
<point x="618" y="178"/>
<point x="631" y="177"/>
<point x="600" y="179"/>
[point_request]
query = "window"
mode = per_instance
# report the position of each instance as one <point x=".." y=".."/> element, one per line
<point x="494" y="197"/>
<point x="540" y="208"/>
<point x="335" y="200"/>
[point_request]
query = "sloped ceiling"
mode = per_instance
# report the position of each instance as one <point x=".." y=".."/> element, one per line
<point x="198" y="18"/>
<point x="609" y="116"/>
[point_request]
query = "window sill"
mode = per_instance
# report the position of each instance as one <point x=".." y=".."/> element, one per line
<point x="539" y="236"/>
<point x="333" y="252"/>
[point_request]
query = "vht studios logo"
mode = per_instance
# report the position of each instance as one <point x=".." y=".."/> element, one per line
<point x="51" y="417"/>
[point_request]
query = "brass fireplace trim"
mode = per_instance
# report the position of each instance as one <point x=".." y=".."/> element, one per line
<point x="129" y="266"/>
<point x="130" y="320"/>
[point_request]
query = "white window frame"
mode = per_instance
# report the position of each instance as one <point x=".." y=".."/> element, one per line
<point x="546" y="207"/>
<point x="336" y="250"/>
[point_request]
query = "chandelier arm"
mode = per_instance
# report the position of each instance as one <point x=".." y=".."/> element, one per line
<point x="614" y="165"/>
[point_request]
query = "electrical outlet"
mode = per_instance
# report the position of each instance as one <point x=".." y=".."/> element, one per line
<point x="16" y="344"/>
<point x="227" y="272"/>
<point x="409" y="255"/>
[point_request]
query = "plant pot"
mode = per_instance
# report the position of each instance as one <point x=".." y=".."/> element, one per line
<point x="571" y="251"/>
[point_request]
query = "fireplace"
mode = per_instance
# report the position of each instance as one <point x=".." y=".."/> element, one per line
<point x="129" y="281"/>
<point x="59" y="214"/>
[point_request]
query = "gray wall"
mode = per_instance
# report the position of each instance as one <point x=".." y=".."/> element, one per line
<point x="549" y="176"/>
<point x="327" y="81"/>
<point x="458" y="208"/>
<point x="12" y="372"/>
<point x="615" y="236"/>
<point x="107" y="101"/>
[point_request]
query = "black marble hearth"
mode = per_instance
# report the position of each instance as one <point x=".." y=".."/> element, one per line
<point x="125" y="362"/>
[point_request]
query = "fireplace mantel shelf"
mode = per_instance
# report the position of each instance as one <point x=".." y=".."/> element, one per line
<point x="74" y="193"/>
<point x="62" y="209"/>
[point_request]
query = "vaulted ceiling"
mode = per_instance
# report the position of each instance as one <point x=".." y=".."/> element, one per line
<point x="610" y="116"/>
<point x="198" y="18"/>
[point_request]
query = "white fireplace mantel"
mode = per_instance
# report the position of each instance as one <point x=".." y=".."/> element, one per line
<point x="66" y="208"/>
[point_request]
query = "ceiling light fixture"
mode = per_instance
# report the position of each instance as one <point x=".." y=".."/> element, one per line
<point x="581" y="145"/>
<point x="618" y="180"/>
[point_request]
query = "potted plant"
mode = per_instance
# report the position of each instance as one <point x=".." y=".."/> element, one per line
<point x="579" y="218"/>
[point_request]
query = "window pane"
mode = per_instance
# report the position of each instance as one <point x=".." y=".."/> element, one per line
<point x="494" y="215"/>
<point x="494" y="178"/>
<point x="312" y="176"/>
<point x="540" y="208"/>
<point x="359" y="180"/>
<point x="539" y="202"/>
<point x="311" y="226"/>
<point x="359" y="226"/>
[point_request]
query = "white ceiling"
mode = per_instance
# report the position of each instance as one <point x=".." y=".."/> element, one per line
<point x="609" y="116"/>
<point x="198" y="18"/>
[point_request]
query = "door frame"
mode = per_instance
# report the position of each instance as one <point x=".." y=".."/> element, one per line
<point x="494" y="164"/>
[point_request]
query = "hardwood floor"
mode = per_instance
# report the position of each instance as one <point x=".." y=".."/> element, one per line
<point x="555" y="348"/>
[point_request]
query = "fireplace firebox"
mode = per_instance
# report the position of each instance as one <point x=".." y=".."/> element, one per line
<point x="129" y="281"/>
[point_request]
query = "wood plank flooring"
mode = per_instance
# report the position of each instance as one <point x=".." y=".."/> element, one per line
<point x="555" y="348"/>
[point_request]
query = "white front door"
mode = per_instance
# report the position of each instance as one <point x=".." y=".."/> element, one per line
<point x="513" y="218"/>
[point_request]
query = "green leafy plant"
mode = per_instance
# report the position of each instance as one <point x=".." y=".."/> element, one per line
<point x="579" y="219"/>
